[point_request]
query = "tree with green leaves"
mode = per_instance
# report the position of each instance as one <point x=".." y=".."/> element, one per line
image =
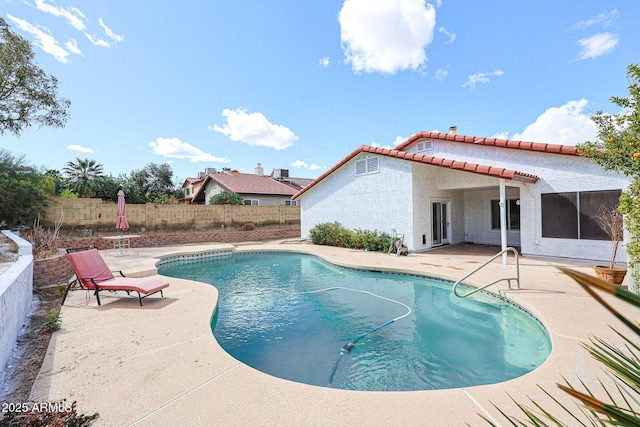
<point x="618" y="149"/>
<point x="27" y="94"/>
<point x="226" y="198"/>
<point x="153" y="184"/>
<point x="24" y="192"/>
<point x="84" y="176"/>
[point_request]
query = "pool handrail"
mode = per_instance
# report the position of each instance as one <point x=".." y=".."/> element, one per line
<point x="508" y="279"/>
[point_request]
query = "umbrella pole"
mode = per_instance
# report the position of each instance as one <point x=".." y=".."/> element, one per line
<point x="120" y="245"/>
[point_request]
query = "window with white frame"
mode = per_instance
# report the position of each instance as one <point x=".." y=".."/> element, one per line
<point x="367" y="165"/>
<point x="251" y="202"/>
<point x="424" y="146"/>
<point x="291" y="203"/>
<point x="513" y="214"/>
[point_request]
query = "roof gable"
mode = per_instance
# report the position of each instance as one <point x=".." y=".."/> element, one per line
<point x="491" y="171"/>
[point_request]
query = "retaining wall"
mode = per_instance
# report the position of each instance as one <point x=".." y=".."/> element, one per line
<point x="150" y="239"/>
<point x="52" y="271"/>
<point x="16" y="294"/>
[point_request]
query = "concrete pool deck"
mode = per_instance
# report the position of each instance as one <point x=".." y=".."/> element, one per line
<point x="159" y="364"/>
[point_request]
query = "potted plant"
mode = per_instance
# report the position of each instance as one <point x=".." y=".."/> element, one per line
<point x="610" y="220"/>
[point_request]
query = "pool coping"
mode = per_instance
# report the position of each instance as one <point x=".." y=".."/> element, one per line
<point x="159" y="364"/>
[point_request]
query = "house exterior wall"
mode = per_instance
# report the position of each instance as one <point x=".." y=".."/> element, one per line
<point x="477" y="224"/>
<point x="429" y="186"/>
<point x="212" y="188"/>
<point x="558" y="173"/>
<point x="378" y="201"/>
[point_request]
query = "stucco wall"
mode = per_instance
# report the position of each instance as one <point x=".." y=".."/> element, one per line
<point x="558" y="173"/>
<point x="478" y="217"/>
<point x="16" y="294"/>
<point x="377" y="201"/>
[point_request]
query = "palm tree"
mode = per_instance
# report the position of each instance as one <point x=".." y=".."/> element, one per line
<point x="84" y="176"/>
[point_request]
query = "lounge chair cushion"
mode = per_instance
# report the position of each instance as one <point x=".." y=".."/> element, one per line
<point x="92" y="271"/>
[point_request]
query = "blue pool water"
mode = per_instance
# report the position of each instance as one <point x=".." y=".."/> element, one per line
<point x="270" y="318"/>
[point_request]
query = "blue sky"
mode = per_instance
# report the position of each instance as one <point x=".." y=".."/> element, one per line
<point x="298" y="85"/>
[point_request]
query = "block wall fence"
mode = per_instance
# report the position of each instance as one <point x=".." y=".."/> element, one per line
<point x="85" y="221"/>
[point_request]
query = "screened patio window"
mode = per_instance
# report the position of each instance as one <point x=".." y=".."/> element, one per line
<point x="513" y="214"/>
<point x="571" y="215"/>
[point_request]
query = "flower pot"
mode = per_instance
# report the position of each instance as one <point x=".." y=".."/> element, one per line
<point x="613" y="275"/>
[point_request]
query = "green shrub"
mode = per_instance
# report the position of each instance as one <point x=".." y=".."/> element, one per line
<point x="53" y="322"/>
<point x="334" y="234"/>
<point x="372" y="240"/>
<point x="226" y="198"/>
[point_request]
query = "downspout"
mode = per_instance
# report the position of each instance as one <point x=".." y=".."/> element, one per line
<point x="503" y="219"/>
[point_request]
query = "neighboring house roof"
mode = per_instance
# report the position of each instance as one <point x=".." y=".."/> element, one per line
<point x="429" y="160"/>
<point x="296" y="183"/>
<point x="191" y="181"/>
<point x="495" y="142"/>
<point x="246" y="183"/>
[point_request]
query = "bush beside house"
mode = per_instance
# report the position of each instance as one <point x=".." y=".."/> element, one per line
<point x="334" y="234"/>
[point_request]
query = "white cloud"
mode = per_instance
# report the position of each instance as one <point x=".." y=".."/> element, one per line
<point x="568" y="124"/>
<point x="501" y="135"/>
<point x="386" y="36"/>
<point x="72" y="15"/>
<point x="597" y="45"/>
<point x="324" y="62"/>
<point x="474" y="79"/>
<point x="96" y="41"/>
<point x="452" y="36"/>
<point x="113" y="36"/>
<point x="43" y="40"/>
<point x="605" y="18"/>
<point x="441" y="74"/>
<point x="79" y="148"/>
<point x="174" y="148"/>
<point x="72" y="46"/>
<point x="299" y="164"/>
<point x="398" y="140"/>
<point x="378" y="145"/>
<point x="254" y="129"/>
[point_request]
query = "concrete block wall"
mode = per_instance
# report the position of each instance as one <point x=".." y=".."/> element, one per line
<point x="87" y="216"/>
<point x="16" y="294"/>
<point x="52" y="270"/>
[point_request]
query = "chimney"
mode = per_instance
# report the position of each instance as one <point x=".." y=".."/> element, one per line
<point x="259" y="170"/>
<point x="453" y="130"/>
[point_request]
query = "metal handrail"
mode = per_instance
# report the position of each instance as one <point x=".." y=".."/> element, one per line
<point x="509" y="279"/>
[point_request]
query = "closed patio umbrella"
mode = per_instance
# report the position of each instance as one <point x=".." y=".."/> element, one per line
<point x="122" y="223"/>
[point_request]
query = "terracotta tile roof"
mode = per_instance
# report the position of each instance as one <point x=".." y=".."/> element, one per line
<point x="247" y="183"/>
<point x="429" y="160"/>
<point x="191" y="181"/>
<point x="495" y="142"/>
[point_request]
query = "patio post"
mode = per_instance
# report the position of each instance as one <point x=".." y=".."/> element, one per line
<point x="503" y="219"/>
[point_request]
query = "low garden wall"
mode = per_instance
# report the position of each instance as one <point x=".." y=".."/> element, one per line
<point x="150" y="239"/>
<point x="16" y="289"/>
<point x="51" y="271"/>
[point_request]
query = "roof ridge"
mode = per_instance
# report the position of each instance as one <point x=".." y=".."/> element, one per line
<point x="571" y="150"/>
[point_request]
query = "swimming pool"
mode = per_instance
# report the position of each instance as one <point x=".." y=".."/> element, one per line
<point x="297" y="317"/>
